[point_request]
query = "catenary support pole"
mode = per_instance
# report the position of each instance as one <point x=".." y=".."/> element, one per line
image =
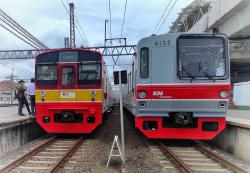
<point x="121" y="117"/>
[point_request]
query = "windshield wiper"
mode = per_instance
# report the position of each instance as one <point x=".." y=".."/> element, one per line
<point x="189" y="75"/>
<point x="209" y="76"/>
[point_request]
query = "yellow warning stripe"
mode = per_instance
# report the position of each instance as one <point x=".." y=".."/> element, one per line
<point x="78" y="95"/>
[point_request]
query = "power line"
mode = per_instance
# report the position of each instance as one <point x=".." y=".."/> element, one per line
<point x="163" y="14"/>
<point x="18" y="67"/>
<point x="18" y="28"/>
<point x="110" y="20"/>
<point x="18" y="33"/>
<point x="124" y="14"/>
<point x="78" y="30"/>
<point x="18" y="36"/>
<point x="25" y="72"/>
<point x="166" y="16"/>
<point x="107" y="10"/>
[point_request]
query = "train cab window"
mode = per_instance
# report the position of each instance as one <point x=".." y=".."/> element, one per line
<point x="144" y="62"/>
<point x="46" y="74"/>
<point x="67" y="76"/>
<point x="201" y="57"/>
<point x="89" y="73"/>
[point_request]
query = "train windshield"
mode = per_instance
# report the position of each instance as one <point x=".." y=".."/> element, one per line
<point x="201" y="57"/>
<point x="68" y="76"/>
<point x="89" y="73"/>
<point x="47" y="74"/>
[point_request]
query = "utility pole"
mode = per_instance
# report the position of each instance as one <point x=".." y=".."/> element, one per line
<point x="72" y="25"/>
<point x="105" y="32"/>
<point x="11" y="85"/>
<point x="66" y="42"/>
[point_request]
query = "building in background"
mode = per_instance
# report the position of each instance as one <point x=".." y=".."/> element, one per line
<point x="229" y="17"/>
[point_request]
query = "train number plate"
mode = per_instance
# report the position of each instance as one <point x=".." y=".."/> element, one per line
<point x="64" y="94"/>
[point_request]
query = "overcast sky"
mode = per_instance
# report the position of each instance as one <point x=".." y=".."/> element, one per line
<point x="48" y="21"/>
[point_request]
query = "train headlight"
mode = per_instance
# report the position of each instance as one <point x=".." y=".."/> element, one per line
<point x="224" y="94"/>
<point x="42" y="93"/>
<point x="93" y="93"/>
<point x="142" y="94"/>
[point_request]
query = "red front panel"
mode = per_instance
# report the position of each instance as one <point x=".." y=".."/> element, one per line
<point x="183" y="91"/>
<point x="87" y="109"/>
<point x="180" y="133"/>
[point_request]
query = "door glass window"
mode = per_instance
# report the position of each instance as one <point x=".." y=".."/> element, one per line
<point x="67" y="76"/>
<point x="144" y="62"/>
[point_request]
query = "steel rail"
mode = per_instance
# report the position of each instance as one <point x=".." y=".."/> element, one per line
<point x="225" y="162"/>
<point x="66" y="156"/>
<point x="176" y="160"/>
<point x="27" y="156"/>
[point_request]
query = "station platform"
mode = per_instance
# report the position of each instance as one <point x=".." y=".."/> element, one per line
<point x="240" y="118"/>
<point x="9" y="116"/>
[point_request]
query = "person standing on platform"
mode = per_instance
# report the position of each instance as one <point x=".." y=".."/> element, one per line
<point x="31" y="93"/>
<point x="22" y="100"/>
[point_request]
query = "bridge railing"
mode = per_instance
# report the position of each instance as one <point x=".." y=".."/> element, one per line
<point x="239" y="45"/>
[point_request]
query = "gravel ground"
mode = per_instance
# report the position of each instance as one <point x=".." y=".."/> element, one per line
<point x="98" y="145"/>
<point x="92" y="156"/>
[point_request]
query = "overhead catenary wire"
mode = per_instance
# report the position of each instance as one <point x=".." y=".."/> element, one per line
<point x="14" y="25"/>
<point x="17" y="69"/>
<point x="110" y="20"/>
<point x="18" y="36"/>
<point x="7" y="62"/>
<point x="85" y="40"/>
<point x="166" y="16"/>
<point x="163" y="14"/>
<point x="124" y="14"/>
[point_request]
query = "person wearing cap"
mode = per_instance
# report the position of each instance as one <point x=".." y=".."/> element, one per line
<point x="22" y="100"/>
<point x="31" y="93"/>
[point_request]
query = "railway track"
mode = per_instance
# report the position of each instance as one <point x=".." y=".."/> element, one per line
<point x="197" y="158"/>
<point x="47" y="157"/>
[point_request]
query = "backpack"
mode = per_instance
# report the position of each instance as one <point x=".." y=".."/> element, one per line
<point x="20" y="92"/>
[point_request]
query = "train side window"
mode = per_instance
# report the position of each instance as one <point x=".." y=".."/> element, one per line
<point x="144" y="62"/>
<point x="46" y="74"/>
<point x="68" y="76"/>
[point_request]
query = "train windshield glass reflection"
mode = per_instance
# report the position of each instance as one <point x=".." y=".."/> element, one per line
<point x="47" y="74"/>
<point x="68" y="56"/>
<point x="89" y="73"/>
<point x="68" y="76"/>
<point x="202" y="57"/>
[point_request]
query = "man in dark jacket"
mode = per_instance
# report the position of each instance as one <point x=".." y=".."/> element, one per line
<point x="22" y="100"/>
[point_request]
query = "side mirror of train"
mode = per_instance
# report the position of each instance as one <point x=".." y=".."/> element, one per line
<point x="123" y="77"/>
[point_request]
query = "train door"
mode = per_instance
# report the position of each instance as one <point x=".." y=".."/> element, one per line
<point x="162" y="65"/>
<point x="68" y="82"/>
<point x="162" y="77"/>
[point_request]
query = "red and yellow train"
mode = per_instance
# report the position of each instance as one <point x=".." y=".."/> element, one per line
<point x="72" y="90"/>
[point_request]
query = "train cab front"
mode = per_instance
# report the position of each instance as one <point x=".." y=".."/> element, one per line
<point x="69" y="117"/>
<point x="183" y="87"/>
<point x="69" y="91"/>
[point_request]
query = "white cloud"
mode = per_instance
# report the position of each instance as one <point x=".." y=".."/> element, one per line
<point x="48" y="21"/>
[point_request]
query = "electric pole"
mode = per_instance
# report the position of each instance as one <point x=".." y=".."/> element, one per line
<point x="72" y="25"/>
<point x="11" y="85"/>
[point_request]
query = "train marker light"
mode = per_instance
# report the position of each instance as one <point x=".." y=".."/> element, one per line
<point x="93" y="93"/>
<point x="46" y="119"/>
<point x="42" y="93"/>
<point x="142" y="94"/>
<point x="224" y="94"/>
